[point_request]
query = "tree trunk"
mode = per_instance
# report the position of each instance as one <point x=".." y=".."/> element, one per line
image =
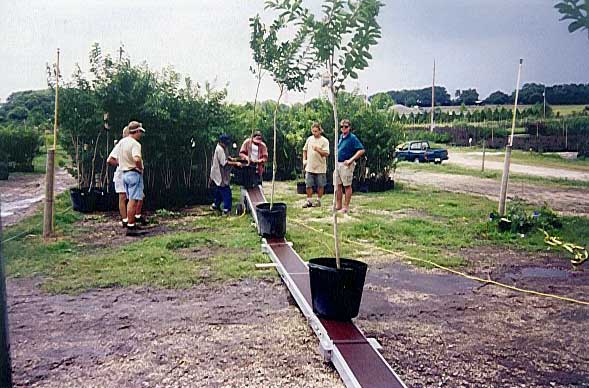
<point x="274" y="150"/>
<point x="335" y="176"/>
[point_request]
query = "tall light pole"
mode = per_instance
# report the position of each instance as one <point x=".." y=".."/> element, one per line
<point x="505" y="177"/>
<point x="433" y="97"/>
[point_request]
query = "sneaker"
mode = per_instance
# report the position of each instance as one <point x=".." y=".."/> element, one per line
<point x="123" y="223"/>
<point x="317" y="203"/>
<point x="133" y="231"/>
<point x="226" y="212"/>
<point x="214" y="207"/>
<point x="308" y="204"/>
<point x="141" y="220"/>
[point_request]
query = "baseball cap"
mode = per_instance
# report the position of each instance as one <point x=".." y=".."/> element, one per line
<point x="135" y="126"/>
<point x="225" y="139"/>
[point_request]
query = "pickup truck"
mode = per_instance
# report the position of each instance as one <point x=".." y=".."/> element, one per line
<point x="420" y="152"/>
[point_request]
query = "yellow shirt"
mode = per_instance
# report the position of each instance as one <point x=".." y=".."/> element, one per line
<point x="316" y="163"/>
<point x="128" y="149"/>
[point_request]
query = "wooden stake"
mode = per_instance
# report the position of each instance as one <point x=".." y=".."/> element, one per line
<point x="483" y="165"/>
<point x="49" y="209"/>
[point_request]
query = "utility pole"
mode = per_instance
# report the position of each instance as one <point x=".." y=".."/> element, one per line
<point x="505" y="177"/>
<point x="49" y="209"/>
<point x="5" y="367"/>
<point x="544" y="95"/>
<point x="433" y="96"/>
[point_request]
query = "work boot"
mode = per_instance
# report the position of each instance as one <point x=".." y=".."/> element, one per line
<point x="317" y="203"/>
<point x="124" y="223"/>
<point x="214" y="207"/>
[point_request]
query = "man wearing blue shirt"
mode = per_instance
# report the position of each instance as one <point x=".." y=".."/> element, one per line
<point x="349" y="149"/>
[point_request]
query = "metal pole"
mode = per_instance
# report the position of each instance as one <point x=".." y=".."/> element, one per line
<point x="505" y="177"/>
<point x="483" y="165"/>
<point x="433" y="97"/>
<point x="5" y="367"/>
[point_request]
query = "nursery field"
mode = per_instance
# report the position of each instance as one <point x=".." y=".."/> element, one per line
<point x="187" y="305"/>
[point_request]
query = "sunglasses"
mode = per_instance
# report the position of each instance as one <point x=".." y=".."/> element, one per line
<point x="344" y="126"/>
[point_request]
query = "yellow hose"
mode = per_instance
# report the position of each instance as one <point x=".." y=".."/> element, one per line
<point x="475" y="278"/>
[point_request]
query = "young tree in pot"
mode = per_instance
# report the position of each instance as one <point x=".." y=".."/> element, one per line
<point x="291" y="63"/>
<point x="342" y="39"/>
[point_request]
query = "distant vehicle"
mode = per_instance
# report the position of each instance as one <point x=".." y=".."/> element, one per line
<point x="420" y="152"/>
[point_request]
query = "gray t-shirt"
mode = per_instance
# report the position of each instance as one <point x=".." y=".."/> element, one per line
<point x="220" y="170"/>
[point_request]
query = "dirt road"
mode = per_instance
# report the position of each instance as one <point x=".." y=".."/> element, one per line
<point x="21" y="194"/>
<point x="474" y="160"/>
<point x="570" y="201"/>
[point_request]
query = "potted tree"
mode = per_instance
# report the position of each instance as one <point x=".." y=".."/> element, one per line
<point x="341" y="38"/>
<point x="290" y="62"/>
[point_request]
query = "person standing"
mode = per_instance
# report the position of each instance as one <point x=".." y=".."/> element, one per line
<point x="315" y="153"/>
<point x="220" y="175"/>
<point x="113" y="158"/>
<point x="349" y="149"/>
<point x="131" y="163"/>
<point x="255" y="151"/>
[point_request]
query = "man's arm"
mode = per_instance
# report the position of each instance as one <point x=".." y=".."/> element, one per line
<point x="356" y="156"/>
<point x="321" y="151"/>
<point x="112" y="161"/>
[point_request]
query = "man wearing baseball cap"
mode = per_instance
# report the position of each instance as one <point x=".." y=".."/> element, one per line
<point x="131" y="163"/>
<point x="221" y="175"/>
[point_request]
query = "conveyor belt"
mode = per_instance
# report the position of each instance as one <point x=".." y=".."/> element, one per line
<point x="355" y="357"/>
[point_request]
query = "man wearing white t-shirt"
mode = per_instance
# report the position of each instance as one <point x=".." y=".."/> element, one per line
<point x="113" y="158"/>
<point x="315" y="153"/>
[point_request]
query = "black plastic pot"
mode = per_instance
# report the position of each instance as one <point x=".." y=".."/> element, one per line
<point x="83" y="200"/>
<point x="271" y="222"/>
<point x="302" y="188"/>
<point x="504" y="225"/>
<point x="376" y="185"/>
<point x="246" y="176"/>
<point x="105" y="201"/>
<point x="336" y="293"/>
<point x="4" y="171"/>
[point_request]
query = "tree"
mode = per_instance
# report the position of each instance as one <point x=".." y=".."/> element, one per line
<point x="382" y="101"/>
<point x="497" y="98"/>
<point x="342" y="39"/>
<point x="290" y="62"/>
<point x="577" y="11"/>
<point x="467" y="97"/>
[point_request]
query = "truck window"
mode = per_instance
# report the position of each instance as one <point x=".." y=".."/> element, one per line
<point x="424" y="145"/>
<point x="414" y="146"/>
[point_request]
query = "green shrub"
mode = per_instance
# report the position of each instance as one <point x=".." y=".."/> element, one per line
<point x="19" y="145"/>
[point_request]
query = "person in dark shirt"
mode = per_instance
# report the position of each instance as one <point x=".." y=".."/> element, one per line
<point x="349" y="149"/>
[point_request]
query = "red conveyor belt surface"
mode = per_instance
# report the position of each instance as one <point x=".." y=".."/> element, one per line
<point x="364" y="361"/>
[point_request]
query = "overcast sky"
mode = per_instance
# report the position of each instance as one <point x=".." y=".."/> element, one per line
<point x="476" y="43"/>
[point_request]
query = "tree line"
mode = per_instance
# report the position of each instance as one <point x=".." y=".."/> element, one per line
<point x="530" y="93"/>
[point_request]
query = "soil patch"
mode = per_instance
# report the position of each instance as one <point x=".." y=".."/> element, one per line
<point x="232" y="334"/>
<point x="444" y="330"/>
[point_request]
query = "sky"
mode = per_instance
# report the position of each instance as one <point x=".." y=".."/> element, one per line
<point x="475" y="43"/>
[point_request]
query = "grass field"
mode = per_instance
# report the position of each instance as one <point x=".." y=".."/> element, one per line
<point x="420" y="223"/>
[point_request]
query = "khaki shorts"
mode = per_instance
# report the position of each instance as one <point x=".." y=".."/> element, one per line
<point x="345" y="174"/>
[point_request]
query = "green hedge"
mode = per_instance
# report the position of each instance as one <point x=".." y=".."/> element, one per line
<point x="18" y="146"/>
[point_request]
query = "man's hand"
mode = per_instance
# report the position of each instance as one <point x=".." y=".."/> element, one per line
<point x="348" y="162"/>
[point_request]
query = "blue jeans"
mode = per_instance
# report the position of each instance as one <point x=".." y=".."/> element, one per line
<point x="223" y="193"/>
